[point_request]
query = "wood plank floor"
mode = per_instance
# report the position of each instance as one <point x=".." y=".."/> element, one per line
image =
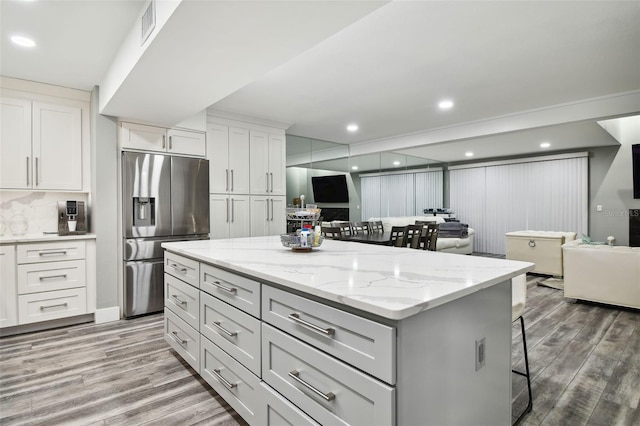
<point x="585" y="360"/>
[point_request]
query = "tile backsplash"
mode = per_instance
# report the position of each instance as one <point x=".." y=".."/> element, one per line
<point x="39" y="208"/>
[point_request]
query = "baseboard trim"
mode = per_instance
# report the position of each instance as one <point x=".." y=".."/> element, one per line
<point x="107" y="314"/>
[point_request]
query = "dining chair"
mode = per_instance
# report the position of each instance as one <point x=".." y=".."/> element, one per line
<point x="518" y="302"/>
<point x="412" y="236"/>
<point x="333" y="232"/>
<point x="359" y="228"/>
<point x="345" y="227"/>
<point x="397" y="237"/>
<point x="376" y="226"/>
<point x="430" y="236"/>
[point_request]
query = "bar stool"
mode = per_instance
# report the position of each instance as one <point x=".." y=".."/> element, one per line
<point x="518" y="302"/>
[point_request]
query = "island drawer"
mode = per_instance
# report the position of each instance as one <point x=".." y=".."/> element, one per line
<point x="236" y="290"/>
<point x="188" y="270"/>
<point x="366" y="344"/>
<point x="277" y="411"/>
<point x="50" y="276"/>
<point x="183" y="300"/>
<point x="182" y="338"/>
<point x="328" y="390"/>
<point x="51" y="252"/>
<point x="51" y="305"/>
<point x="236" y="332"/>
<point x="237" y="385"/>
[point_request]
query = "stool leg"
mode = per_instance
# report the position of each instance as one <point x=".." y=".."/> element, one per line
<point x="527" y="374"/>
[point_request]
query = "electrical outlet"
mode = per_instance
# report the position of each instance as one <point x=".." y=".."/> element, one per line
<point x="598" y="208"/>
<point x="481" y="356"/>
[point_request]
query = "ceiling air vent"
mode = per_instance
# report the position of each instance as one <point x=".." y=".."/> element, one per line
<point x="148" y="21"/>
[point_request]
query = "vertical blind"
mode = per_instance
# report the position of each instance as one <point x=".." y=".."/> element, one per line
<point x="546" y="195"/>
<point x="400" y="194"/>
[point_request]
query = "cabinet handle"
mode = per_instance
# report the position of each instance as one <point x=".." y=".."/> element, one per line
<point x="216" y="372"/>
<point x="36" y="169"/>
<point x="266" y="180"/>
<point x="221" y="287"/>
<point x="177" y="299"/>
<point x="271" y="181"/>
<point x="52" y="276"/>
<point x="163" y="141"/>
<point x="296" y="317"/>
<point x="267" y="203"/>
<point x="50" y="253"/>
<point x="329" y="396"/>
<point x="217" y="325"/>
<point x="28" y="171"/>
<point x="170" y="142"/>
<point x="59" y="305"/>
<point x="227" y="211"/>
<point x="177" y="338"/>
<point x="231" y="180"/>
<point x="232" y="210"/>
<point x="272" y="210"/>
<point x="180" y="268"/>
<point x="226" y="188"/>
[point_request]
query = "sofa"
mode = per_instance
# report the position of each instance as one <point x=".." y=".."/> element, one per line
<point x="602" y="273"/>
<point x="446" y="245"/>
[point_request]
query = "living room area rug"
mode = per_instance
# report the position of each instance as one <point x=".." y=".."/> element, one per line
<point x="552" y="282"/>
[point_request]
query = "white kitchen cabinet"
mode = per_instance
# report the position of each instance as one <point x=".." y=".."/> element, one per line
<point x="8" y="287"/>
<point x="267" y="215"/>
<point x="267" y="154"/>
<point x="160" y="139"/>
<point x="229" y="216"/>
<point x="41" y="146"/>
<point x="228" y="154"/>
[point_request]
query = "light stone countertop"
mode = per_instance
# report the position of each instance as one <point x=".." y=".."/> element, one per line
<point x="40" y="237"/>
<point x="390" y="282"/>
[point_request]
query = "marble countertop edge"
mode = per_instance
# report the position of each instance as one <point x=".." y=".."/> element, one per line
<point x="40" y="237"/>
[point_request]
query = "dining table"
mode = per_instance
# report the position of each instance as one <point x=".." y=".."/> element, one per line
<point x="379" y="238"/>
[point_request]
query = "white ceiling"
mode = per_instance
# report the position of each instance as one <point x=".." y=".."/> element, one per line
<point x="382" y="67"/>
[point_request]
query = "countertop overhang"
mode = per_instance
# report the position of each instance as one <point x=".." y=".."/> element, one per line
<point x="390" y="282"/>
<point x="40" y="237"/>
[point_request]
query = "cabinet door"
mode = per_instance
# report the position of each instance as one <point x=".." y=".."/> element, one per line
<point x="218" y="156"/>
<point x="259" y="164"/>
<point x="260" y="216"/>
<point x="57" y="147"/>
<point x="143" y="137"/>
<point x="277" y="182"/>
<point x="15" y="144"/>
<point x="239" y="160"/>
<point x="8" y="287"/>
<point x="186" y="142"/>
<point x="240" y="216"/>
<point x="277" y="216"/>
<point x="219" y="212"/>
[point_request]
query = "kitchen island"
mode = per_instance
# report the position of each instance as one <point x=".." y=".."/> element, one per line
<point x="347" y="334"/>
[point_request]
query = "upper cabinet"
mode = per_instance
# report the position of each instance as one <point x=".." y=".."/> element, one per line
<point x="267" y="163"/>
<point x="41" y="145"/>
<point x="228" y="154"/>
<point x="159" y="139"/>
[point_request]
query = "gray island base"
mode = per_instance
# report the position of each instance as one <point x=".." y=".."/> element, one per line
<point x="349" y="334"/>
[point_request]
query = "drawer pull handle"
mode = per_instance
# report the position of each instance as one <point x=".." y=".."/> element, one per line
<point x="52" y="276"/>
<point x="532" y="243"/>
<point x="50" y="253"/>
<point x="216" y="372"/>
<point x="59" y="305"/>
<point x="177" y="299"/>
<point x="177" y="338"/>
<point x="329" y="396"/>
<point x="179" y="268"/>
<point x="217" y="325"/>
<point x="296" y="317"/>
<point x="221" y="287"/>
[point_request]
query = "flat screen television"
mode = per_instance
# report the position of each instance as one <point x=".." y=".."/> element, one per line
<point x="330" y="189"/>
<point x="635" y="149"/>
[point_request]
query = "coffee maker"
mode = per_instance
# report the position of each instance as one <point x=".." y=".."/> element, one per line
<point x="71" y="218"/>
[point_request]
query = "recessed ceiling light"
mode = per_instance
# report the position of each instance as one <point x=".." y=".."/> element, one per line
<point x="352" y="127"/>
<point x="354" y="167"/>
<point x="468" y="154"/>
<point x="545" y="145"/>
<point x="445" y="104"/>
<point x="23" y="41"/>
<point x="396" y="163"/>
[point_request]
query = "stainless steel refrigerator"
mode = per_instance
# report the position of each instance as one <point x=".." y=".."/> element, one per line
<point x="165" y="198"/>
